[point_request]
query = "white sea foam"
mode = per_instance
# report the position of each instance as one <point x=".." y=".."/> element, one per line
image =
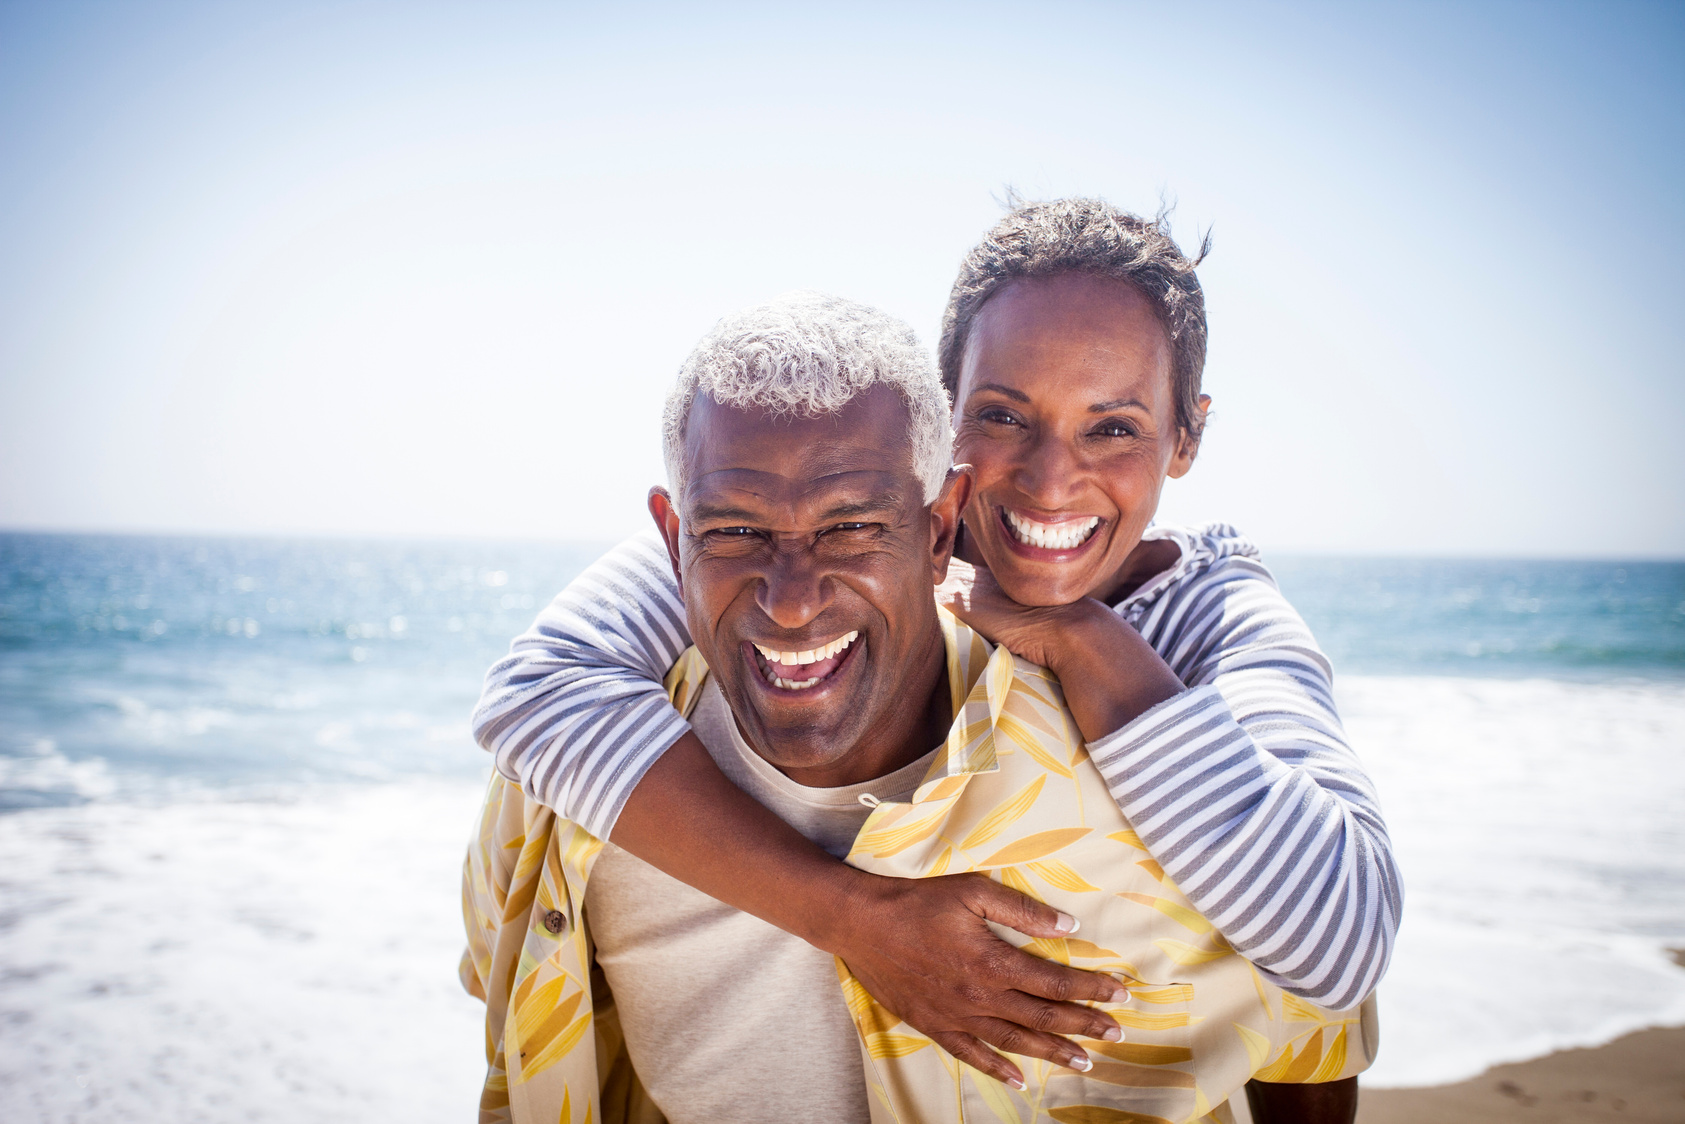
<point x="53" y="776"/>
<point x="1538" y="826"/>
<point x="239" y="961"/>
<point x="276" y="961"/>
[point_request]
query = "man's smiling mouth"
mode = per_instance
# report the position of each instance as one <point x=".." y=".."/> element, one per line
<point x="1066" y="535"/>
<point x="805" y="669"/>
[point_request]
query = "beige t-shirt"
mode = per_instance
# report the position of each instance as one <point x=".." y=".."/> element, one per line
<point x="727" y="1017"/>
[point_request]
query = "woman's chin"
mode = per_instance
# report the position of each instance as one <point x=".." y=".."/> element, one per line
<point x="1036" y="589"/>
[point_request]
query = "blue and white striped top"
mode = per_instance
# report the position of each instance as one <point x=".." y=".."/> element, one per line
<point x="1242" y="787"/>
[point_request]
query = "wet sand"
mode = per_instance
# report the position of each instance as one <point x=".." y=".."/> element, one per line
<point x="1640" y="1077"/>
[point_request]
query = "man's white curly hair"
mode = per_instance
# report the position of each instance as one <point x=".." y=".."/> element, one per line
<point x="808" y="354"/>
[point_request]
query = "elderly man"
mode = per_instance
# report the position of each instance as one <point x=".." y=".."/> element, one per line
<point x="811" y="514"/>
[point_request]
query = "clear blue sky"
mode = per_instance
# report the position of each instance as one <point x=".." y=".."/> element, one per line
<point x="429" y="268"/>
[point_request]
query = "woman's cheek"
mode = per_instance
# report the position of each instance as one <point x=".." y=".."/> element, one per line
<point x="977" y="453"/>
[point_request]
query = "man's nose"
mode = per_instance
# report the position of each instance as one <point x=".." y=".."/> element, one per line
<point x="794" y="589"/>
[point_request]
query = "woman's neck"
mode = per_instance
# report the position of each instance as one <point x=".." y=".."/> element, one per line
<point x="1149" y="559"/>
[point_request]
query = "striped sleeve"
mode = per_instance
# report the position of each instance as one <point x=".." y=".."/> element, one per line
<point x="1244" y="790"/>
<point x="575" y="713"/>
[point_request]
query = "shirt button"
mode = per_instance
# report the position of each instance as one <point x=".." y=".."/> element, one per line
<point x="554" y="921"/>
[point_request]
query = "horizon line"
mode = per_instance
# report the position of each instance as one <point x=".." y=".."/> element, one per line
<point x="539" y="538"/>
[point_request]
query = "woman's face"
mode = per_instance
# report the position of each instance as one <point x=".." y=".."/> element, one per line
<point x="1066" y="415"/>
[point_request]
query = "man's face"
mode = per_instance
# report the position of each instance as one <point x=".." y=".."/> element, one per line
<point x="806" y="557"/>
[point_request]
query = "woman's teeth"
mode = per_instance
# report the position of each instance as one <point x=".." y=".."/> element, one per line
<point x="1051" y="536"/>
<point x="789" y="659"/>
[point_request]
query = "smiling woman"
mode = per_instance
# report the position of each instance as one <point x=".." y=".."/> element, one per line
<point x="1072" y="348"/>
<point x="1071" y="423"/>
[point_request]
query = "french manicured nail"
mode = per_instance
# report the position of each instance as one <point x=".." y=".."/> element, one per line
<point x="1121" y="995"/>
<point x="1066" y="924"/>
<point x="1113" y="1034"/>
<point x="1016" y="1083"/>
<point x="1082" y="1062"/>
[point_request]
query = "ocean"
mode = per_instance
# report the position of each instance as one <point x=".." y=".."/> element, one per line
<point x="236" y="780"/>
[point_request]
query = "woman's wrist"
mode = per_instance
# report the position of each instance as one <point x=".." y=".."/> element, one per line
<point x="834" y="897"/>
<point x="1110" y="674"/>
<point x="1075" y="637"/>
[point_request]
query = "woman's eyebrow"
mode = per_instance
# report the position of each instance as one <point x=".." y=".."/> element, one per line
<point x="1117" y="404"/>
<point x="1009" y="391"/>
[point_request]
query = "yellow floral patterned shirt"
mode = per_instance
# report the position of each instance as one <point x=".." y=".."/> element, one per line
<point x="1012" y="794"/>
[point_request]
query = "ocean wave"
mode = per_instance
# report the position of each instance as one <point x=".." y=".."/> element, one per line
<point x="44" y="777"/>
<point x="1537" y="826"/>
<point x="271" y="961"/>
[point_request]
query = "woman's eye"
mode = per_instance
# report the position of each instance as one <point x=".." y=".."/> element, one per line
<point x="1114" y="429"/>
<point x="997" y="417"/>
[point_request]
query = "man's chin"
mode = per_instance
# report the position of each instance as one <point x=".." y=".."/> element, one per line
<point x="794" y="736"/>
<point x="805" y="741"/>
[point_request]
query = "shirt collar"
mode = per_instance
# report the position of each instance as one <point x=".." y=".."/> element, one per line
<point x="980" y="676"/>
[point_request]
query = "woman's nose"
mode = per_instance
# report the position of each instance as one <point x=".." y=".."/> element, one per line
<point x="1048" y="472"/>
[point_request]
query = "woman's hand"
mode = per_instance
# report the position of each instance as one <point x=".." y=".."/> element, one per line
<point x="923" y="948"/>
<point x="1111" y="675"/>
<point x="1032" y="633"/>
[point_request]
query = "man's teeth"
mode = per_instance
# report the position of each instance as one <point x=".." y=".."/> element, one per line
<point x="812" y="655"/>
<point x="1052" y="536"/>
<point x="791" y="659"/>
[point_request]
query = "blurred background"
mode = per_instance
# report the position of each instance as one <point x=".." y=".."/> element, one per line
<point x="332" y="343"/>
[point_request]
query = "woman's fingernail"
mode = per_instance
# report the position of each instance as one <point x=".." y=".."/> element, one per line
<point x="1113" y="1034"/>
<point x="1066" y="924"/>
<point x="1121" y="995"/>
<point x="1082" y="1062"/>
<point x="1016" y="1083"/>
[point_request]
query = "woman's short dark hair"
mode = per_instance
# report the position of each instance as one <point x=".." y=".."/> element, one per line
<point x="1088" y="236"/>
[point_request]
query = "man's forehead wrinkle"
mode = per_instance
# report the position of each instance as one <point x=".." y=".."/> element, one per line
<point x="744" y="492"/>
<point x="778" y="485"/>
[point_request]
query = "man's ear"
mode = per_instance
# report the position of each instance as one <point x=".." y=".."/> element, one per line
<point x="666" y="518"/>
<point x="1187" y="445"/>
<point x="945" y="518"/>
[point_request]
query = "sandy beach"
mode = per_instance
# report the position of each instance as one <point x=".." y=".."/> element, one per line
<point x="1640" y="1077"/>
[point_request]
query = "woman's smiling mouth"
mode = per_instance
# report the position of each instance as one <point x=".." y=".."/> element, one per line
<point x="1061" y="537"/>
<point x="802" y="670"/>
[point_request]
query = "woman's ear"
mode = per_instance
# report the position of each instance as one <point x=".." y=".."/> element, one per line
<point x="1187" y="442"/>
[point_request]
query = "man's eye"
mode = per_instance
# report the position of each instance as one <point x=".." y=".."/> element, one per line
<point x="851" y="526"/>
<point x="732" y="532"/>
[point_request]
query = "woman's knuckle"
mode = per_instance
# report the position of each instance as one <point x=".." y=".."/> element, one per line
<point x="1013" y="1039"/>
<point x="1059" y="987"/>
